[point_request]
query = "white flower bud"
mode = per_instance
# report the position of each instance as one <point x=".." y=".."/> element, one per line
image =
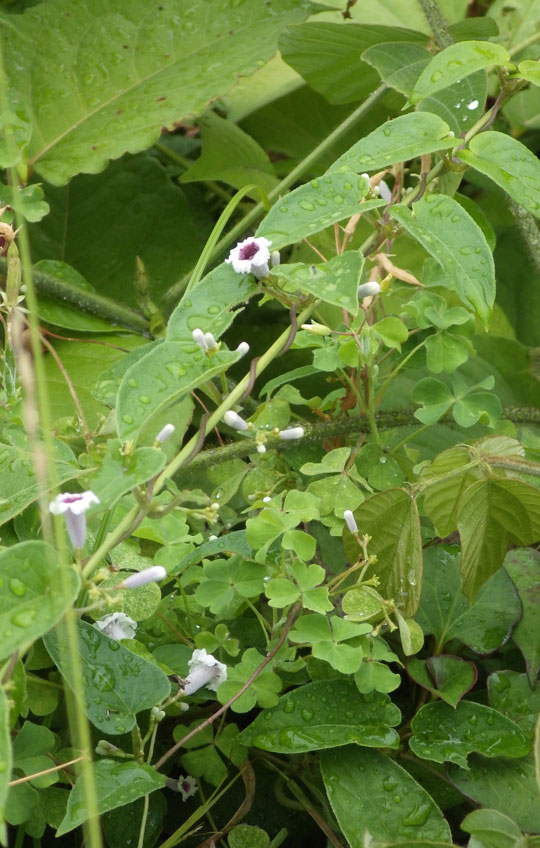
<point x="369" y="289"/>
<point x="107" y="749"/>
<point x="261" y="449"/>
<point x="234" y="420"/>
<point x="292" y="433"/>
<point x="350" y="521"/>
<point x="210" y="341"/>
<point x="317" y="329"/>
<point x="141" y="578"/>
<point x="384" y="191"/>
<point x="275" y="258"/>
<point x="267" y="499"/>
<point x="165" y="432"/>
<point x="200" y="338"/>
<point x="242" y="348"/>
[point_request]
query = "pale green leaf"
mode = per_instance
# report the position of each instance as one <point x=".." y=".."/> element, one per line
<point x="523" y="566"/>
<point x="455" y="62"/>
<point x="335" y="281"/>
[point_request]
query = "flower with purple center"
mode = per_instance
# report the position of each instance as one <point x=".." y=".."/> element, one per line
<point x="187" y="786"/>
<point x="251" y="256"/>
<point x="73" y="506"/>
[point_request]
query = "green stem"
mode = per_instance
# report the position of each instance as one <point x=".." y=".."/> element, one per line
<point x="371" y="408"/>
<point x="87" y="301"/>
<point x="252" y="216"/>
<point x="525" y="43"/>
<point x="528" y="230"/>
<point x="437" y="22"/>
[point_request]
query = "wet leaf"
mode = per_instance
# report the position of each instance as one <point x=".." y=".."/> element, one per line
<point x="455" y="62"/>
<point x="335" y="281"/>
<point x="444" y="675"/>
<point x="523" y="566"/>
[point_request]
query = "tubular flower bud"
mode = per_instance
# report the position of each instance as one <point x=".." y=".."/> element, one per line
<point x="384" y="191"/>
<point x="200" y="338"/>
<point x="242" y="348"/>
<point x="204" y="670"/>
<point x="74" y="506"/>
<point x="275" y="258"/>
<point x="261" y="448"/>
<point x="210" y="341"/>
<point x="317" y="329"/>
<point x="187" y="786"/>
<point x="350" y="521"/>
<point x="369" y="289"/>
<point x="165" y="432"/>
<point x="117" y="626"/>
<point x="141" y="578"/>
<point x="291" y="433"/>
<point x="251" y="256"/>
<point x="234" y="420"/>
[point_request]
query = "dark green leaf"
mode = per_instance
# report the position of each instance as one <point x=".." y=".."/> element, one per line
<point x="511" y="694"/>
<point x="491" y="829"/>
<point x="461" y="105"/>
<point x="234" y="542"/>
<point x="444" y="675"/>
<point x="398" y="63"/>
<point x="523" y="566"/>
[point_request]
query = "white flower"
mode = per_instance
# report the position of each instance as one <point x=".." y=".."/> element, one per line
<point x="369" y="289"/>
<point x="73" y="506"/>
<point x="261" y="448"/>
<point x="141" y="578"/>
<point x="200" y="338"/>
<point x="251" y="256"/>
<point x="117" y="625"/>
<point x="350" y="521"/>
<point x="165" y="432"/>
<point x="291" y="433"/>
<point x="187" y="786"/>
<point x="234" y="420"/>
<point x="204" y="670"/>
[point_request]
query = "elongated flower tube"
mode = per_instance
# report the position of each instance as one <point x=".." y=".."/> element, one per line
<point x="165" y="433"/>
<point x="350" y="521"/>
<point x="204" y="670"/>
<point x="291" y="433"/>
<point x="73" y="506"/>
<point x="141" y="578"/>
<point x="234" y="420"/>
<point x="251" y="256"/>
<point x="117" y="626"/>
<point x="384" y="191"/>
<point x="369" y="289"/>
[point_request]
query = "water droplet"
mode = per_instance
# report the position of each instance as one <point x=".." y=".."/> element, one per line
<point x="307" y="715"/>
<point x="128" y="419"/>
<point x="435" y="77"/>
<point x="144" y="399"/>
<point x="386" y="132"/>
<point x="23" y="618"/>
<point x="389" y="784"/>
<point x="17" y="587"/>
<point x="288" y="707"/>
<point x="418" y="816"/>
<point x="132" y="382"/>
<point x="307" y="204"/>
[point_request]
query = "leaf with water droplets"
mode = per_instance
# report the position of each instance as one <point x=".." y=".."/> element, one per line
<point x="398" y="63"/>
<point x="369" y="791"/>
<point x="333" y="282"/>
<point x="315" y="206"/>
<point x="523" y="566"/>
<point x="510" y="693"/>
<point x="508" y="163"/>
<point x="119" y="474"/>
<point x="455" y="240"/>
<point x="455" y="62"/>
<point x="324" y="714"/>
<point x="446" y="734"/>
<point x="117" y="784"/>
<point x="35" y="591"/>
<point x="5" y="761"/>
<point x="117" y="683"/>
<point x="444" y="675"/>
<point x="397" y="140"/>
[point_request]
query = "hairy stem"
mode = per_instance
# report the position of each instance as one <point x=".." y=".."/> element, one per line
<point x="528" y="230"/>
<point x="437" y="22"/>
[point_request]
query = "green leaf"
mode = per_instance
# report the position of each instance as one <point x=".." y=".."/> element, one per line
<point x="230" y="155"/>
<point x="461" y="105"/>
<point x="314" y="206"/>
<point x="117" y="784"/>
<point x="530" y="70"/>
<point x="368" y="791"/>
<point x="15" y="131"/>
<point x="327" y="637"/>
<point x="444" y="675"/>
<point x="164" y="375"/>
<point x="446" y="734"/>
<point x="327" y="56"/>
<point x="391" y="519"/>
<point x="445" y="612"/>
<point x="61" y="315"/>
<point x="36" y="591"/>
<point x="455" y="62"/>
<point x="436" y="399"/>
<point x="510" y="693"/>
<point x="263" y="690"/>
<point x="138" y="603"/>
<point x="248" y="836"/>
<point x="397" y="140"/>
<point x="509" y="164"/>
<point x="94" y="72"/>
<point x="507" y="786"/>
<point x="234" y="542"/>
<point x="455" y="240"/>
<point x="335" y="281"/>
<point x="30" y="200"/>
<point x="117" y="683"/>
<point x="398" y="63"/>
<point x="493" y="513"/>
<point x="523" y="567"/>
<point x="491" y="829"/>
<point x="392" y="331"/>
<point x="5" y="771"/>
<point x="119" y="473"/>
<point x="32" y="743"/>
<point x="324" y="714"/>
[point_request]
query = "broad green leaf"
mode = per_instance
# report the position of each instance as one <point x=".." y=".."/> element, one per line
<point x="117" y="784"/>
<point x="327" y="56"/>
<point x="455" y="62"/>
<point x="516" y="23"/>
<point x="211" y="306"/>
<point x="5" y="770"/>
<point x="15" y="131"/>
<point x="450" y="235"/>
<point x="508" y="163"/>
<point x="436" y="399"/>
<point x="391" y="519"/>
<point x="36" y="591"/>
<point x="397" y="140"/>
<point x="368" y="791"/>
<point x="83" y="71"/>
<point x="509" y="786"/>
<point x="108" y="382"/>
<point x="443" y="733"/>
<point x="523" y="566"/>
<point x="123" y="824"/>
<point x="120" y="473"/>
<point x="117" y="683"/>
<point x="30" y="749"/>
<point x="445" y="612"/>
<point x="510" y="693"/>
<point x="230" y="155"/>
<point x="530" y="70"/>
<point x="335" y="281"/>
<point x="138" y="603"/>
<point x="61" y="315"/>
<point x="444" y="675"/>
<point x="398" y="63"/>
<point x="491" y="514"/>
<point x="461" y="105"/>
<point x="18" y="482"/>
<point x="392" y="331"/>
<point x="167" y="373"/>
<point x="315" y="206"/>
<point x="491" y="829"/>
<point x="324" y="714"/>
